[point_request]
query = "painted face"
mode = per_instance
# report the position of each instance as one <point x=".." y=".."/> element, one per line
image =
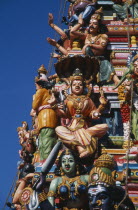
<point x="37" y="86"/>
<point x="77" y="87"/>
<point x="99" y="198"/>
<point x="93" y="26"/>
<point x="68" y="164"/>
<point x="136" y="67"/>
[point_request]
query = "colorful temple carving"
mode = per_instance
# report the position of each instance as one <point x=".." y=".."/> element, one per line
<point x="82" y="149"/>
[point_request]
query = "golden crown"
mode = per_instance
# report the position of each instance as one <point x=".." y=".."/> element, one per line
<point x="42" y="69"/>
<point x="105" y="160"/>
<point x="77" y="75"/>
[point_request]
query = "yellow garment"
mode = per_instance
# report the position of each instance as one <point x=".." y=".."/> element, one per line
<point x="46" y="117"/>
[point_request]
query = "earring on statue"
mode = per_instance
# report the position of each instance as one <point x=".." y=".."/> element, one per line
<point x="77" y="170"/>
<point x="61" y="171"/>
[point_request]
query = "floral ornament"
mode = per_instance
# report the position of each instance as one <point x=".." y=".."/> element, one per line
<point x="125" y="112"/>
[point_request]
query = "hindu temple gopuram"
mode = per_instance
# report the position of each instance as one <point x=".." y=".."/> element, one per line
<point x="81" y="151"/>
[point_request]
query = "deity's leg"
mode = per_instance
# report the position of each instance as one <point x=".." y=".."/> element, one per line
<point x="19" y="191"/>
<point x="88" y="51"/>
<point x="73" y="18"/>
<point x="47" y="140"/>
<point x="79" y="139"/>
<point x="67" y="137"/>
<point x="98" y="130"/>
<point x="89" y="10"/>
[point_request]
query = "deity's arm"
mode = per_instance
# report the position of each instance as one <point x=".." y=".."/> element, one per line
<point x="103" y="103"/>
<point x="55" y="27"/>
<point x="74" y="29"/>
<point x="52" y="191"/>
<point x="22" y="185"/>
<point x="55" y="44"/>
<point x="38" y="98"/>
<point x="61" y="111"/>
<point x="52" y="101"/>
<point x="96" y="112"/>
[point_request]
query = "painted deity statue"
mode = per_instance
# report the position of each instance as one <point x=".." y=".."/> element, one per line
<point x="20" y="186"/>
<point x="43" y="105"/>
<point x="26" y="139"/>
<point x="95" y="43"/>
<point x="66" y="38"/>
<point x="65" y="43"/>
<point x="130" y="83"/>
<point x="102" y="191"/>
<point x="124" y="7"/>
<point x="77" y="7"/>
<point x="80" y="109"/>
<point x="71" y="186"/>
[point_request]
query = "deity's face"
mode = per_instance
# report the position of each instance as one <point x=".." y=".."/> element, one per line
<point x="77" y="87"/>
<point x="68" y="164"/>
<point x="93" y="25"/>
<point x="136" y="67"/>
<point x="37" y="86"/>
<point x="99" y="198"/>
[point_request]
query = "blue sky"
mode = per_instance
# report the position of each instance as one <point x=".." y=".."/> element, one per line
<point x="23" y="49"/>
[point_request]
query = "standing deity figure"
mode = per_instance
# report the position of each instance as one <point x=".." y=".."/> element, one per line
<point x="80" y="109"/>
<point x="125" y="7"/>
<point x="71" y="186"/>
<point x="44" y="104"/>
<point x="129" y="86"/>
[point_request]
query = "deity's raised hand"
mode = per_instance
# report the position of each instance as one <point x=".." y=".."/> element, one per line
<point x="50" y="18"/>
<point x="51" y="41"/>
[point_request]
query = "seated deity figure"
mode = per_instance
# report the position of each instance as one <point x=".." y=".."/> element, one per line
<point x="95" y="43"/>
<point x="80" y="109"/>
<point x="71" y="186"/>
